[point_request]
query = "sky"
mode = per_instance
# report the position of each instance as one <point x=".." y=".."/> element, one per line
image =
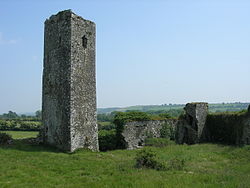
<point x="148" y="52"/>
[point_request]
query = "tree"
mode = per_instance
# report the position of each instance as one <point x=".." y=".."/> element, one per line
<point x="10" y="115"/>
<point x="39" y="114"/>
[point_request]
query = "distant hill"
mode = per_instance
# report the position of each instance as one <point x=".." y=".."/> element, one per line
<point x="143" y="108"/>
<point x="218" y="107"/>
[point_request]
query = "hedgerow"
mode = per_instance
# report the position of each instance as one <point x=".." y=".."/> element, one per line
<point x="107" y="140"/>
<point x="226" y="128"/>
<point x="20" y="124"/>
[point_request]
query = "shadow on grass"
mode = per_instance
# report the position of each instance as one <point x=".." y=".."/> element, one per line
<point x="24" y="145"/>
<point x="222" y="144"/>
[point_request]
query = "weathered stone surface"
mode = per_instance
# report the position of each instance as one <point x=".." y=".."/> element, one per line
<point x="191" y="129"/>
<point x="69" y="85"/>
<point x="246" y="131"/>
<point x="136" y="132"/>
<point x="245" y="136"/>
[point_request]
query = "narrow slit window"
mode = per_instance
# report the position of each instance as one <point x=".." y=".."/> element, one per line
<point x="60" y="41"/>
<point x="84" y="41"/>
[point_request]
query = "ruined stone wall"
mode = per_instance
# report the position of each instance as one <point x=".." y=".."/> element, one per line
<point x="246" y="129"/>
<point x="245" y="139"/>
<point x="198" y="126"/>
<point x="229" y="128"/>
<point x="136" y="132"/>
<point x="69" y="86"/>
<point x="195" y="126"/>
<point x="191" y="127"/>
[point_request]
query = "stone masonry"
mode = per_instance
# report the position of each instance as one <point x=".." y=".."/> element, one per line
<point x="246" y="129"/>
<point x="69" y="83"/>
<point x="191" y="129"/>
<point x="136" y="132"/>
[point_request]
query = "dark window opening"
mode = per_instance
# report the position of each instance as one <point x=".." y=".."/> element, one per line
<point x="84" y="42"/>
<point x="140" y="143"/>
<point x="60" y="41"/>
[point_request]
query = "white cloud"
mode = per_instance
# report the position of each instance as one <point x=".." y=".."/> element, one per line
<point x="4" y="41"/>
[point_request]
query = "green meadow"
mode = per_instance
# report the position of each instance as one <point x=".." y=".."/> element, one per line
<point x="21" y="134"/>
<point x="205" y="165"/>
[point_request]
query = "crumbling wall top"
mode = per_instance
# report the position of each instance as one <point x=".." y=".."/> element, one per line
<point x="62" y="15"/>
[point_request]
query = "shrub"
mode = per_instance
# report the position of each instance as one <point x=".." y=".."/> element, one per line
<point x="158" y="142"/>
<point x="167" y="131"/>
<point x="165" y="115"/>
<point x="5" y="138"/>
<point x="226" y="128"/>
<point x="107" y="140"/>
<point x="176" y="164"/>
<point x="30" y="124"/>
<point x="123" y="117"/>
<point x="147" y="159"/>
<point x="105" y="126"/>
<point x="172" y="113"/>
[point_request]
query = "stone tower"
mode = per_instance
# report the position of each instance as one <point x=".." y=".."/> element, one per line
<point x="69" y="84"/>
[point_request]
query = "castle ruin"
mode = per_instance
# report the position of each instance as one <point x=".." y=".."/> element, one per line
<point x="69" y="97"/>
<point x="69" y="83"/>
<point x="191" y="128"/>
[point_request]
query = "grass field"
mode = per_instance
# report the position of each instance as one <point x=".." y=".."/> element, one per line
<point x="22" y="134"/>
<point x="206" y="165"/>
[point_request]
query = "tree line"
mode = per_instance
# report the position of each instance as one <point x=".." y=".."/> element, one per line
<point x="13" y="121"/>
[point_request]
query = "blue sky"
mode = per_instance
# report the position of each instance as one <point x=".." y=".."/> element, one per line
<point x="148" y="52"/>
